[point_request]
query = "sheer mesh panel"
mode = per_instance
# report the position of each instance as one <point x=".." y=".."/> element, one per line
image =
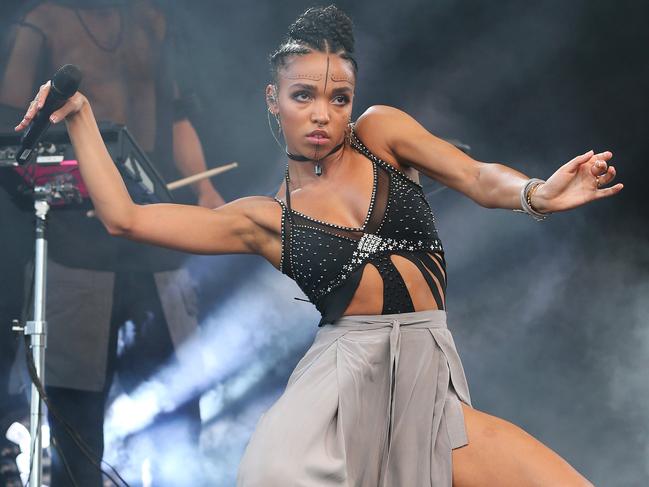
<point x="119" y="51"/>
<point x="380" y="202"/>
<point x="125" y="54"/>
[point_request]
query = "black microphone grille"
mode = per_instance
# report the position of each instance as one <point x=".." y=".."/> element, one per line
<point x="66" y="80"/>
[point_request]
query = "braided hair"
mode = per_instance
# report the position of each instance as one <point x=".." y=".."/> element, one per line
<point x="324" y="29"/>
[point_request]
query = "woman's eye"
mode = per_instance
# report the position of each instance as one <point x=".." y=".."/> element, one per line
<point x="341" y="99"/>
<point x="301" y="96"/>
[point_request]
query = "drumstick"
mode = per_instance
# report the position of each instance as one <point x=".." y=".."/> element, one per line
<point x="201" y="175"/>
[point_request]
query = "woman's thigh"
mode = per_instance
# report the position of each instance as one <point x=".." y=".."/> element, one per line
<point x="500" y="453"/>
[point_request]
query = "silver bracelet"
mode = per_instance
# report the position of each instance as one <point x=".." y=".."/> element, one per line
<point x="526" y="207"/>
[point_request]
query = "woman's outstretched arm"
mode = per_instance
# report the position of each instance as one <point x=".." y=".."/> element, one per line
<point x="237" y="227"/>
<point x="491" y="185"/>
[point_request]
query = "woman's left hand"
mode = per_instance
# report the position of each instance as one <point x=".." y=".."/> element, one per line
<point x="576" y="183"/>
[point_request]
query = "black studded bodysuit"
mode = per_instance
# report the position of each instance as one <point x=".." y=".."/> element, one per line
<point x="327" y="260"/>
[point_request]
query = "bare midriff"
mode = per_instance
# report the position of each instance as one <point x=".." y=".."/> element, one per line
<point x="368" y="298"/>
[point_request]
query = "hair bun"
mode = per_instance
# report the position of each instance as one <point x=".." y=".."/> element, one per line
<point x="324" y="29"/>
<point x="320" y="25"/>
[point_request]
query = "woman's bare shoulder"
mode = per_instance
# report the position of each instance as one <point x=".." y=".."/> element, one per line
<point x="381" y="118"/>
<point x="379" y="127"/>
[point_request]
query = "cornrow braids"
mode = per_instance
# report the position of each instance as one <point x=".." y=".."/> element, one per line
<point x="324" y="29"/>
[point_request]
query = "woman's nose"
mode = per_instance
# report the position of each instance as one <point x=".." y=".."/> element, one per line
<point x="320" y="113"/>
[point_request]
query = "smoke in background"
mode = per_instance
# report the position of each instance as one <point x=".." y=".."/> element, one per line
<point x="551" y="319"/>
<point x="238" y="363"/>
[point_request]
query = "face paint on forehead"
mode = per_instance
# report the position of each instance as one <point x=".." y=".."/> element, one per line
<point x="334" y="76"/>
<point x="312" y="77"/>
<point x="341" y="77"/>
<point x="326" y="75"/>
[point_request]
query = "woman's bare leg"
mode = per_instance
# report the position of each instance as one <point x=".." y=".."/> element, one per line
<point x="501" y="454"/>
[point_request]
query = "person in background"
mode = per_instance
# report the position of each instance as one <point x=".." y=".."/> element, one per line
<point x="104" y="296"/>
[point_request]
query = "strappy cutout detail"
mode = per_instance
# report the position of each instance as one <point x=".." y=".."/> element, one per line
<point x="404" y="283"/>
<point x="432" y="273"/>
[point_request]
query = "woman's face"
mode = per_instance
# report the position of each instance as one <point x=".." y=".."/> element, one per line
<point x="314" y="102"/>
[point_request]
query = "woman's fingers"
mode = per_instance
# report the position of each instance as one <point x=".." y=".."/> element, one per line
<point x="35" y="105"/>
<point x="590" y="156"/>
<point x="73" y="105"/>
<point x="603" y="156"/>
<point x="44" y="90"/>
<point x="42" y="94"/>
<point x="597" y="165"/>
<point x="604" y="178"/>
<point x="60" y="114"/>
<point x="26" y="119"/>
<point x="605" y="192"/>
<point x="608" y="177"/>
<point x="579" y="160"/>
<point x="598" y="168"/>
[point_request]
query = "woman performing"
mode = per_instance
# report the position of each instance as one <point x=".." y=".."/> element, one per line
<point x="380" y="398"/>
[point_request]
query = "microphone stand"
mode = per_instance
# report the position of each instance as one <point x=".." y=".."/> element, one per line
<point x="37" y="327"/>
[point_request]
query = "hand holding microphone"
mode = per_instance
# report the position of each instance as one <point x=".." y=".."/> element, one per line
<point x="55" y="100"/>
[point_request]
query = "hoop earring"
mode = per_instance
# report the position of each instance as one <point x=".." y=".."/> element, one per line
<point x="279" y="128"/>
<point x="279" y="123"/>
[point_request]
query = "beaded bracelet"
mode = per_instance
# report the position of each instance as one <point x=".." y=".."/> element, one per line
<point x="527" y="190"/>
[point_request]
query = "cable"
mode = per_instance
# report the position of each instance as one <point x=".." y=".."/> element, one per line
<point x="66" y="465"/>
<point x="81" y="444"/>
<point x="29" y="292"/>
<point x="32" y="448"/>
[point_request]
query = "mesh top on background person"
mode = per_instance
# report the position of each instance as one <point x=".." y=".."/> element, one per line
<point x="117" y="79"/>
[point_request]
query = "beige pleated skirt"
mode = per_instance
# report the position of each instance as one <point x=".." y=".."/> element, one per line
<point x="375" y="402"/>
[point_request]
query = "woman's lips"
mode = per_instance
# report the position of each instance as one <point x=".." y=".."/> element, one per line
<point x="318" y="137"/>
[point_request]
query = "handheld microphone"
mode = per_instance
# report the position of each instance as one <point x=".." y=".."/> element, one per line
<point x="65" y="83"/>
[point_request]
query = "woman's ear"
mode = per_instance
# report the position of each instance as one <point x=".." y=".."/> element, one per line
<point x="271" y="99"/>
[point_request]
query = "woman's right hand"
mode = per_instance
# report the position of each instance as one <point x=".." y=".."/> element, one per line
<point x="73" y="105"/>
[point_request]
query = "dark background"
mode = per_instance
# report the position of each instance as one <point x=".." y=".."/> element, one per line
<point x="552" y="318"/>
